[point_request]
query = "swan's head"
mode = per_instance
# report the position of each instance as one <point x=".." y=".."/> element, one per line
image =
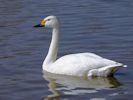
<point x="49" y="22"/>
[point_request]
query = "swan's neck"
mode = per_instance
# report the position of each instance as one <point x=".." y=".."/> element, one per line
<point x="53" y="49"/>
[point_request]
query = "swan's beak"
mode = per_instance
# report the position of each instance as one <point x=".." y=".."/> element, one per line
<point x="42" y="24"/>
<point x="38" y="25"/>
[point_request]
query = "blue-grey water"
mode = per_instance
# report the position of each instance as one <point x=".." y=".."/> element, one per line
<point x="104" y="27"/>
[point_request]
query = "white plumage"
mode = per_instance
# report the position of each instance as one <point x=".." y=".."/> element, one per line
<point x="80" y="64"/>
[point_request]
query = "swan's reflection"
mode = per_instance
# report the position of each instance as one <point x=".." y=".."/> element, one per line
<point x="61" y="84"/>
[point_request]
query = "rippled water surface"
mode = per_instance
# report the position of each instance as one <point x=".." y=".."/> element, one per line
<point x="104" y="27"/>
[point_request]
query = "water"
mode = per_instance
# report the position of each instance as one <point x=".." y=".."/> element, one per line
<point x="100" y="26"/>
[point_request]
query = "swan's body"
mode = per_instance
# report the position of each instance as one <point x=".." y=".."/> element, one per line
<point x="80" y="64"/>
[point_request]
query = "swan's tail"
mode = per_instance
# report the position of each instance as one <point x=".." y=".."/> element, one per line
<point x="106" y="71"/>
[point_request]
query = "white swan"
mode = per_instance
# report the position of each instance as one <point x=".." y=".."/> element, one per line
<point x="80" y="64"/>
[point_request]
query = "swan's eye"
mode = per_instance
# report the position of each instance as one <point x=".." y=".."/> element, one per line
<point x="48" y="19"/>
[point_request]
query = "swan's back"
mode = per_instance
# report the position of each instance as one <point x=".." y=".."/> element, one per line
<point x="78" y="64"/>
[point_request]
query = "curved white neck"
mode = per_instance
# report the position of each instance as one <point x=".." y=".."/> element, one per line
<point x="53" y="49"/>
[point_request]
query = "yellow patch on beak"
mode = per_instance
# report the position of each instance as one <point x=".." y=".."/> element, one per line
<point x="43" y="22"/>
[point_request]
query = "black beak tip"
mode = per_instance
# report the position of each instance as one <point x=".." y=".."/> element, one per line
<point x="38" y="25"/>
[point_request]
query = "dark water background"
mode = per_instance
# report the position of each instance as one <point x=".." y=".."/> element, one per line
<point x="104" y="27"/>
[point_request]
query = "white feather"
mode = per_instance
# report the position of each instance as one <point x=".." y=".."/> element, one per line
<point x="80" y="64"/>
